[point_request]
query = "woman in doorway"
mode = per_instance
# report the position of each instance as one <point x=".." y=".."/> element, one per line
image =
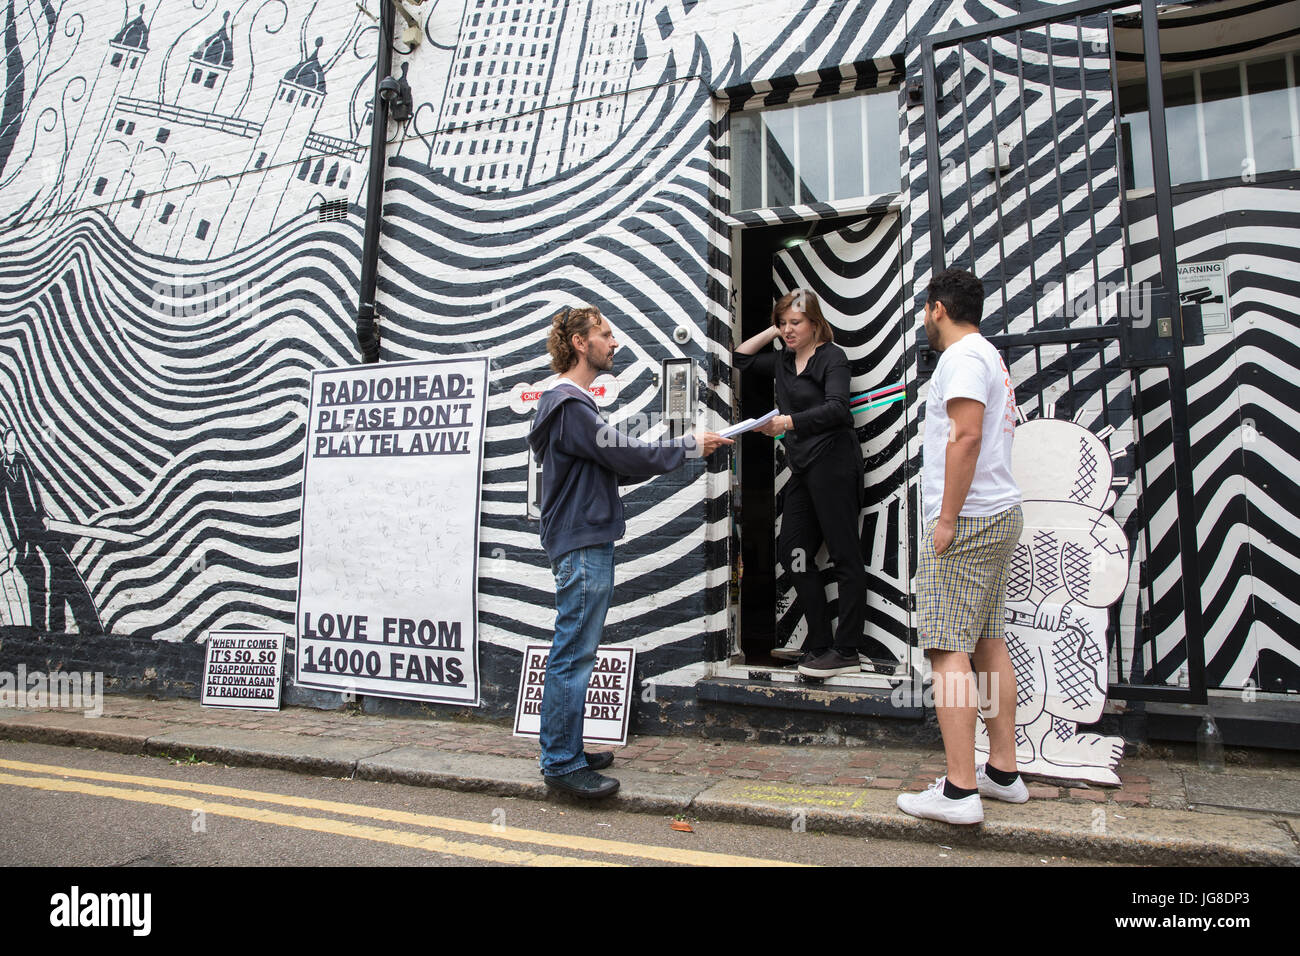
<point x="823" y="498"/>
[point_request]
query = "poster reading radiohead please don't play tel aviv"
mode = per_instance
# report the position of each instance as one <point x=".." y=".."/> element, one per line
<point x="390" y="517"/>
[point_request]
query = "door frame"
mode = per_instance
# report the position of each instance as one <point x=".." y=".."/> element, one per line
<point x="733" y="664"/>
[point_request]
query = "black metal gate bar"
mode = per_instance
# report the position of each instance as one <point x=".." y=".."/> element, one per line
<point x="997" y="189"/>
<point x="1103" y="333"/>
<point x="1029" y="204"/>
<point x="1140" y="475"/>
<point x="1193" y="624"/>
<point x="1087" y="166"/>
<point x="1056" y="159"/>
<point x="965" y="141"/>
<point x="1022" y="21"/>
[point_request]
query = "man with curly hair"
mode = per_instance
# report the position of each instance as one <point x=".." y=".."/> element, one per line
<point x="583" y="463"/>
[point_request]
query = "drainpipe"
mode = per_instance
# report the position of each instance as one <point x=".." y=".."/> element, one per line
<point x="367" y="331"/>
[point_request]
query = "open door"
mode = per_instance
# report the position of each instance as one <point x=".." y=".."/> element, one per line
<point x="856" y="272"/>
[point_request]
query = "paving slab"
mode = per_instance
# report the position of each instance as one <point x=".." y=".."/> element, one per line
<point x="1138" y="835"/>
<point x="519" y="777"/>
<point x="72" y="729"/>
<point x="646" y="792"/>
<point x="332" y="756"/>
<point x="1263" y="793"/>
<point x="473" y="773"/>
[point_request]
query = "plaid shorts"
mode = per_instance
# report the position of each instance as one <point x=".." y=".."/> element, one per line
<point x="961" y="594"/>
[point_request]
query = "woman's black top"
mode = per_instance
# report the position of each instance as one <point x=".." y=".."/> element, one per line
<point x="816" y="399"/>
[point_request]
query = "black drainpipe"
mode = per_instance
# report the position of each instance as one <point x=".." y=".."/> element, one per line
<point x="367" y="331"/>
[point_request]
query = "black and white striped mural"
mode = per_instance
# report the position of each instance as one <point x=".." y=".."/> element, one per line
<point x="167" y="290"/>
<point x="166" y="284"/>
<point x="1244" y="438"/>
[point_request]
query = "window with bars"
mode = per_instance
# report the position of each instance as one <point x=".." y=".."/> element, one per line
<point x="1225" y="121"/>
<point x="832" y="149"/>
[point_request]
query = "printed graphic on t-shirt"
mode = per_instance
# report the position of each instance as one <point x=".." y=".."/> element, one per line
<point x="1009" y="422"/>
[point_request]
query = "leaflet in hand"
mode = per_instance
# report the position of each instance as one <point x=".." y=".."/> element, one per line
<point x="748" y="425"/>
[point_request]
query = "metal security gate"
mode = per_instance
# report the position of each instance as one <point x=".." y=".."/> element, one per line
<point x="1024" y="188"/>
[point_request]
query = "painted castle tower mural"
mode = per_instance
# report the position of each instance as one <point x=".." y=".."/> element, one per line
<point x="187" y="145"/>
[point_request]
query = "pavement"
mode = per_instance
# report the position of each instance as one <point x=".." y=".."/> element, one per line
<point x="1165" y="812"/>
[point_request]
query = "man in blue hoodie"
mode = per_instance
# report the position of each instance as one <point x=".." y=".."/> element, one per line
<point x="583" y="462"/>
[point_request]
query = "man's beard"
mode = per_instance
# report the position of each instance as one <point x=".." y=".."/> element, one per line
<point x="932" y="336"/>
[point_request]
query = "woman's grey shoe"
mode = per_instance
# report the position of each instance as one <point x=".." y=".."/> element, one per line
<point x="831" y="664"/>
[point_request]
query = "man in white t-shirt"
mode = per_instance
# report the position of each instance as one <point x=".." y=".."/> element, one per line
<point x="973" y="522"/>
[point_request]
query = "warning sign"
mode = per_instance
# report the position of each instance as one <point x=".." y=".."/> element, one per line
<point x="242" y="669"/>
<point x="609" y="694"/>
<point x="1205" y="284"/>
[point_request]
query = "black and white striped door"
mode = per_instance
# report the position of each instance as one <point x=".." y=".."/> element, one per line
<point x="856" y="272"/>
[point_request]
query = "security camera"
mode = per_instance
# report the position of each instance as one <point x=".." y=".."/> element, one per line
<point x="681" y="335"/>
<point x="396" y="93"/>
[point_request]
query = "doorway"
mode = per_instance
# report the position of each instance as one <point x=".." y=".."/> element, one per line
<point x="854" y="265"/>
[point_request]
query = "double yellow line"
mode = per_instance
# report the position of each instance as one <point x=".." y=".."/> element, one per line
<point x="55" y="779"/>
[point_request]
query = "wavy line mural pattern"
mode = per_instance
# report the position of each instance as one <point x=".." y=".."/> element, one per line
<point x="166" y="286"/>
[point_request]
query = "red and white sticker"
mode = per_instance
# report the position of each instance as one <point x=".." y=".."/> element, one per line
<point x="524" y="397"/>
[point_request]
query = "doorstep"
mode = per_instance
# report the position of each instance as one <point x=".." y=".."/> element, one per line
<point x="826" y="698"/>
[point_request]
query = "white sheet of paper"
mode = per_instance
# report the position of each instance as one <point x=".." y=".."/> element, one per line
<point x="749" y="424"/>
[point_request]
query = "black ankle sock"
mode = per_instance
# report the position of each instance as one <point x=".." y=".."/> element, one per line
<point x="954" y="792"/>
<point x="1000" y="777"/>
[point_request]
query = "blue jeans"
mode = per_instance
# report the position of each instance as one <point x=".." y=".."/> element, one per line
<point x="584" y="584"/>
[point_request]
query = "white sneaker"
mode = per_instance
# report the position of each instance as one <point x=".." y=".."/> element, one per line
<point x="1015" y="793"/>
<point x="789" y="652"/>
<point x="933" y="805"/>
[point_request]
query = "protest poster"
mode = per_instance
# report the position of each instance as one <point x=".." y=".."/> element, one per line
<point x="388" y="567"/>
<point x="609" y="694"/>
<point x="242" y="669"/>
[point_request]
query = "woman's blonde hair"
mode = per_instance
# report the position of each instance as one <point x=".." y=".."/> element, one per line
<point x="805" y="301"/>
<point x="564" y="326"/>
